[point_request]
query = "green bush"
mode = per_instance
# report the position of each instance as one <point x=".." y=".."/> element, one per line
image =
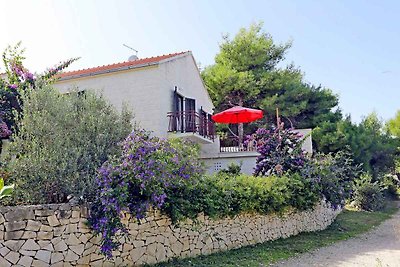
<point x="332" y="175"/>
<point x="367" y="195"/>
<point x="391" y="185"/>
<point x="233" y="169"/>
<point x="62" y="140"/>
<point x="223" y="195"/>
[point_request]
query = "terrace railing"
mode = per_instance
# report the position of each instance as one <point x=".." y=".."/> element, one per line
<point x="191" y="122"/>
<point x="231" y="144"/>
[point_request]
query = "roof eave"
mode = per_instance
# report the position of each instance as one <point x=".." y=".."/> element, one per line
<point x="71" y="77"/>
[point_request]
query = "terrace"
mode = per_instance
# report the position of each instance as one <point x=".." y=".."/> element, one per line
<point x="193" y="125"/>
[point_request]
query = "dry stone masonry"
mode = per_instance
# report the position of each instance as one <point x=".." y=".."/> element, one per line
<point x="57" y="235"/>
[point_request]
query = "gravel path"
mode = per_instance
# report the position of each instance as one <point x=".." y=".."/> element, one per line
<point x="377" y="248"/>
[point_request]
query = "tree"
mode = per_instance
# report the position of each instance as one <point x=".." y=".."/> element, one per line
<point x="370" y="144"/>
<point x="393" y="125"/>
<point x="247" y="72"/>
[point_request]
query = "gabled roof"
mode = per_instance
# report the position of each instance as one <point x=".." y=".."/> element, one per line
<point x="142" y="62"/>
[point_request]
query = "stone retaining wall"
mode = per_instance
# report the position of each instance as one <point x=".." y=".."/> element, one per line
<point x="56" y="235"/>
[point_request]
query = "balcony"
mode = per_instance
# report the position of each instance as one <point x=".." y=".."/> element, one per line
<point x="231" y="145"/>
<point x="197" y="127"/>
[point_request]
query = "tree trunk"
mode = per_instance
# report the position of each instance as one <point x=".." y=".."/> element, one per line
<point x="240" y="133"/>
<point x="240" y="126"/>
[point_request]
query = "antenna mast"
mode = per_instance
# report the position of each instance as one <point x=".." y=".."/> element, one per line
<point x="131" y="48"/>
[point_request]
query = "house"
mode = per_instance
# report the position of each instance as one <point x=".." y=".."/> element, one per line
<point x="167" y="96"/>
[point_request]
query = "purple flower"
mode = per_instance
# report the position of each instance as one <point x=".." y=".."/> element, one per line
<point x="4" y="131"/>
<point x="13" y="86"/>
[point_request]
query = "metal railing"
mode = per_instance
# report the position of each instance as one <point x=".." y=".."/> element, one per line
<point x="191" y="122"/>
<point x="231" y="144"/>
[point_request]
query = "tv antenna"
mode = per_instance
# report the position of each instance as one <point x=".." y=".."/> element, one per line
<point x="127" y="46"/>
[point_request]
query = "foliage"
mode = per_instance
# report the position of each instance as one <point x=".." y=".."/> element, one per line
<point x="61" y="142"/>
<point x="147" y="170"/>
<point x="393" y="125"/>
<point x="368" y="195"/>
<point x="153" y="172"/>
<point x="5" y="190"/>
<point x="18" y="80"/>
<point x="370" y="144"/>
<point x="232" y="169"/>
<point x="333" y="175"/>
<point x="247" y="72"/>
<point x="391" y="185"/>
<point x="224" y="195"/>
<point x="280" y="151"/>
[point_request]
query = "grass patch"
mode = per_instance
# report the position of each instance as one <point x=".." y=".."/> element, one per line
<point x="349" y="223"/>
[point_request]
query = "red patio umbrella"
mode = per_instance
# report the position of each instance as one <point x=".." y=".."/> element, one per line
<point x="238" y="114"/>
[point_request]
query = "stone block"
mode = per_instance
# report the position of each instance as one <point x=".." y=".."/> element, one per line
<point x="77" y="249"/>
<point x="72" y="240"/>
<point x="14" y="245"/>
<point x="46" y="245"/>
<point x="30" y="245"/>
<point x="53" y="221"/>
<point x="19" y="214"/>
<point x="71" y="228"/>
<point x="84" y="260"/>
<point x="39" y="263"/>
<point x="45" y="228"/>
<point x="59" y="230"/>
<point x="33" y="225"/>
<point x="13" y="226"/>
<point x="27" y="252"/>
<point x="12" y="257"/>
<point x="2" y="220"/>
<point x="13" y="235"/>
<point x="45" y="235"/>
<point x="71" y="256"/>
<point x="137" y="253"/>
<point x="44" y="212"/>
<point x="29" y="235"/>
<point x="60" y="246"/>
<point x="43" y="255"/>
<point x="56" y="257"/>
<point x="4" y="251"/>
<point x="4" y="262"/>
<point x="25" y="261"/>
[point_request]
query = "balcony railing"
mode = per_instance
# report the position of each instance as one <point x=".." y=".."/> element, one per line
<point x="231" y="144"/>
<point x="191" y="122"/>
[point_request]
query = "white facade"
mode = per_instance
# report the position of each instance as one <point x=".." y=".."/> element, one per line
<point x="147" y="90"/>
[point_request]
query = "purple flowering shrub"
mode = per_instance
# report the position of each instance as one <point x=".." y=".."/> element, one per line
<point x="18" y="80"/>
<point x="4" y="131"/>
<point x="280" y="151"/>
<point x="332" y="175"/>
<point x="138" y="179"/>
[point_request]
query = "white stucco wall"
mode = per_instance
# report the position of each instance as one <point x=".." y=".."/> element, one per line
<point x="148" y="91"/>
<point x="138" y="88"/>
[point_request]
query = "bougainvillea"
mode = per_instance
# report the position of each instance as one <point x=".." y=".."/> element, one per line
<point x="138" y="180"/>
<point x="280" y="151"/>
<point x="4" y="131"/>
<point x="19" y="79"/>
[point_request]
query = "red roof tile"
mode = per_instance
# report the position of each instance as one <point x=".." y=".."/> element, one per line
<point x="138" y="62"/>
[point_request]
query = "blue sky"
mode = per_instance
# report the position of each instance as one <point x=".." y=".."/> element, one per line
<point x="351" y="47"/>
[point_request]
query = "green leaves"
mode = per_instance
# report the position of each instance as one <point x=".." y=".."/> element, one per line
<point x="247" y="71"/>
<point x="61" y="142"/>
<point x="5" y="191"/>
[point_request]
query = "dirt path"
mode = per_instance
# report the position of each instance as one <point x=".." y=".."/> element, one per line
<point x="377" y="248"/>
